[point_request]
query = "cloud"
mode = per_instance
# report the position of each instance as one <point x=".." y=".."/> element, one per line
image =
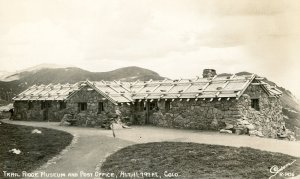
<point x="250" y="8"/>
<point x="33" y="43"/>
<point x="173" y="37"/>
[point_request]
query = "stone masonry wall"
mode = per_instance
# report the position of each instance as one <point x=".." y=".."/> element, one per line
<point x="203" y="115"/>
<point x="214" y="115"/>
<point x="269" y="118"/>
<point x="92" y="116"/>
<point x="22" y="112"/>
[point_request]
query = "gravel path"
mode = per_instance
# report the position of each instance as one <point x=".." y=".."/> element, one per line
<point x="94" y="145"/>
<point x="83" y="157"/>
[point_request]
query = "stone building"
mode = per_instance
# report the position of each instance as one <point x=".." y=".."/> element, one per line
<point x="207" y="103"/>
<point x="90" y="102"/>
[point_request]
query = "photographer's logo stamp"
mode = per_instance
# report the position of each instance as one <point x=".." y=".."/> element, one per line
<point x="276" y="170"/>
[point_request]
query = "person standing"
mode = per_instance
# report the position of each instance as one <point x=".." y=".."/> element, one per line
<point x="11" y="113"/>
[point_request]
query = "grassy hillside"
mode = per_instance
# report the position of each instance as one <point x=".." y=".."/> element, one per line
<point x="72" y="75"/>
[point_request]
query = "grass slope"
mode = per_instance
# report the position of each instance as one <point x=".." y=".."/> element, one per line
<point x="36" y="149"/>
<point x="191" y="160"/>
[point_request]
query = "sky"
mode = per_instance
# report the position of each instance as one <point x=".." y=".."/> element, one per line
<point x="176" y="38"/>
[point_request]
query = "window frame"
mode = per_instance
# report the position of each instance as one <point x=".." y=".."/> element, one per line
<point x="62" y="105"/>
<point x="153" y="105"/>
<point x="82" y="106"/>
<point x="139" y="106"/>
<point x="167" y="106"/>
<point x="100" y="107"/>
<point x="46" y="104"/>
<point x="30" y="105"/>
<point x="255" y="104"/>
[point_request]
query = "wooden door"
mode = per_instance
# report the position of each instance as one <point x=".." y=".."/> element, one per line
<point x="150" y="109"/>
<point x="45" y="107"/>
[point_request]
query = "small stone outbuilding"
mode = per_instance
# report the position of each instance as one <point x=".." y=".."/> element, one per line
<point x="207" y="103"/>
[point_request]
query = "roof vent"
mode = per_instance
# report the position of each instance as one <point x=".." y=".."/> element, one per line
<point x="209" y="73"/>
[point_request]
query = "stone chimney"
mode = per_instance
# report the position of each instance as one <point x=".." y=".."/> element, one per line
<point x="209" y="73"/>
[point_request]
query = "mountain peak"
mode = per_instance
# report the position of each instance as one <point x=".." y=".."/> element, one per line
<point x="43" y="66"/>
<point x="11" y="76"/>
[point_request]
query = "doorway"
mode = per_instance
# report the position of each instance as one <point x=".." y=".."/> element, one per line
<point x="151" y="107"/>
<point x="45" y="105"/>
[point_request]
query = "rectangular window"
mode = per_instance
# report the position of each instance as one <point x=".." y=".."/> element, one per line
<point x="30" y="105"/>
<point x="255" y="104"/>
<point x="142" y="106"/>
<point x="100" y="107"/>
<point x="167" y="106"/>
<point x="62" y="105"/>
<point x="153" y="106"/>
<point x="139" y="106"/>
<point x="82" y="107"/>
<point x="45" y="104"/>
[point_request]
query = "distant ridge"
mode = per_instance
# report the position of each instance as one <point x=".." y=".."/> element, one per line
<point x="45" y="74"/>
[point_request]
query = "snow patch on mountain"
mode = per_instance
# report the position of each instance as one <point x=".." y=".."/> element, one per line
<point x="11" y="76"/>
